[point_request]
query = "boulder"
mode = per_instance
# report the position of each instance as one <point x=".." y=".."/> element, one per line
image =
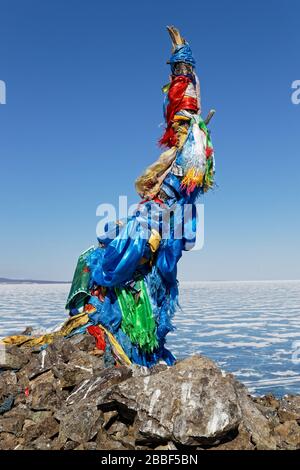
<point x="190" y="403"/>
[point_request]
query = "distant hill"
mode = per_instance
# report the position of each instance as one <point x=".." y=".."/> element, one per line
<point x="4" y="280"/>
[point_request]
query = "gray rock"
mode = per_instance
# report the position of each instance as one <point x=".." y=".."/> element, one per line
<point x="82" y="366"/>
<point x="287" y="435"/>
<point x="41" y="443"/>
<point x="14" y="358"/>
<point x="109" y="417"/>
<point x="9" y="441"/>
<point x="253" y="420"/>
<point x="71" y="445"/>
<point x="18" y="411"/>
<point x="61" y="349"/>
<point x="8" y="383"/>
<point x="81" y="424"/>
<point x="169" y="446"/>
<point x="44" y="393"/>
<point x="84" y="342"/>
<point x="118" y="428"/>
<point x="87" y="446"/>
<point x="39" y="416"/>
<point x="241" y="442"/>
<point x="96" y="389"/>
<point x="289" y="408"/>
<point x="48" y="428"/>
<point x="105" y="442"/>
<point x="12" y="424"/>
<point x="39" y="364"/>
<point x="190" y="403"/>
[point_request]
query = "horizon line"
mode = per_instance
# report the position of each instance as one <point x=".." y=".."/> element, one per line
<point x="4" y="280"/>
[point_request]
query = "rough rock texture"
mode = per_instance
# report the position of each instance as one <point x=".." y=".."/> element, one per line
<point x="63" y="398"/>
<point x="190" y="403"/>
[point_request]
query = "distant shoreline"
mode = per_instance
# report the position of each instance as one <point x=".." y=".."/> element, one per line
<point x="4" y="280"/>
<point x="183" y="283"/>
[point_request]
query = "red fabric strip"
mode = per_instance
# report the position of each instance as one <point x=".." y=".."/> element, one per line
<point x="98" y="335"/>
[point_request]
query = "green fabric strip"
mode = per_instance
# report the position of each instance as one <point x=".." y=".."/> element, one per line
<point x="80" y="284"/>
<point x="138" y="322"/>
<point x="209" y="171"/>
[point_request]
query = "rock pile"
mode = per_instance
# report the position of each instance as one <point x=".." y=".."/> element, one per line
<point x="63" y="397"/>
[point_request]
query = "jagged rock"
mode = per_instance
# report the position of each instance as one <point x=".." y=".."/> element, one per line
<point x="105" y="442"/>
<point x="190" y="403"/>
<point x="84" y="342"/>
<point x="58" y="352"/>
<point x="169" y="446"/>
<point x="18" y="411"/>
<point x="127" y="441"/>
<point x="41" y="443"/>
<point x="47" y="428"/>
<point x="8" y="441"/>
<point x="87" y="446"/>
<point x="70" y="445"/>
<point x="241" y="442"/>
<point x="13" y="424"/>
<point x="8" y="383"/>
<point x="118" y="428"/>
<point x="289" y="408"/>
<point x="61" y="350"/>
<point x="14" y="358"/>
<point x="269" y="401"/>
<point x="81" y="367"/>
<point x="27" y="424"/>
<point x="71" y="375"/>
<point x="44" y="393"/>
<point x="44" y="397"/>
<point x="95" y="390"/>
<point x="109" y="417"/>
<point x="269" y="413"/>
<point x="39" y="364"/>
<point x="139" y="371"/>
<point x="28" y="331"/>
<point x="39" y="416"/>
<point x="288" y="435"/>
<point x="253" y="420"/>
<point x="81" y="424"/>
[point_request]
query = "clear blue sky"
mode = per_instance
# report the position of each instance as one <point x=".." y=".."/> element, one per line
<point x="81" y="122"/>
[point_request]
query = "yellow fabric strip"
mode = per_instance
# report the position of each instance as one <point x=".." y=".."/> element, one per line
<point x="67" y="328"/>
<point x="29" y="341"/>
<point x="116" y="346"/>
